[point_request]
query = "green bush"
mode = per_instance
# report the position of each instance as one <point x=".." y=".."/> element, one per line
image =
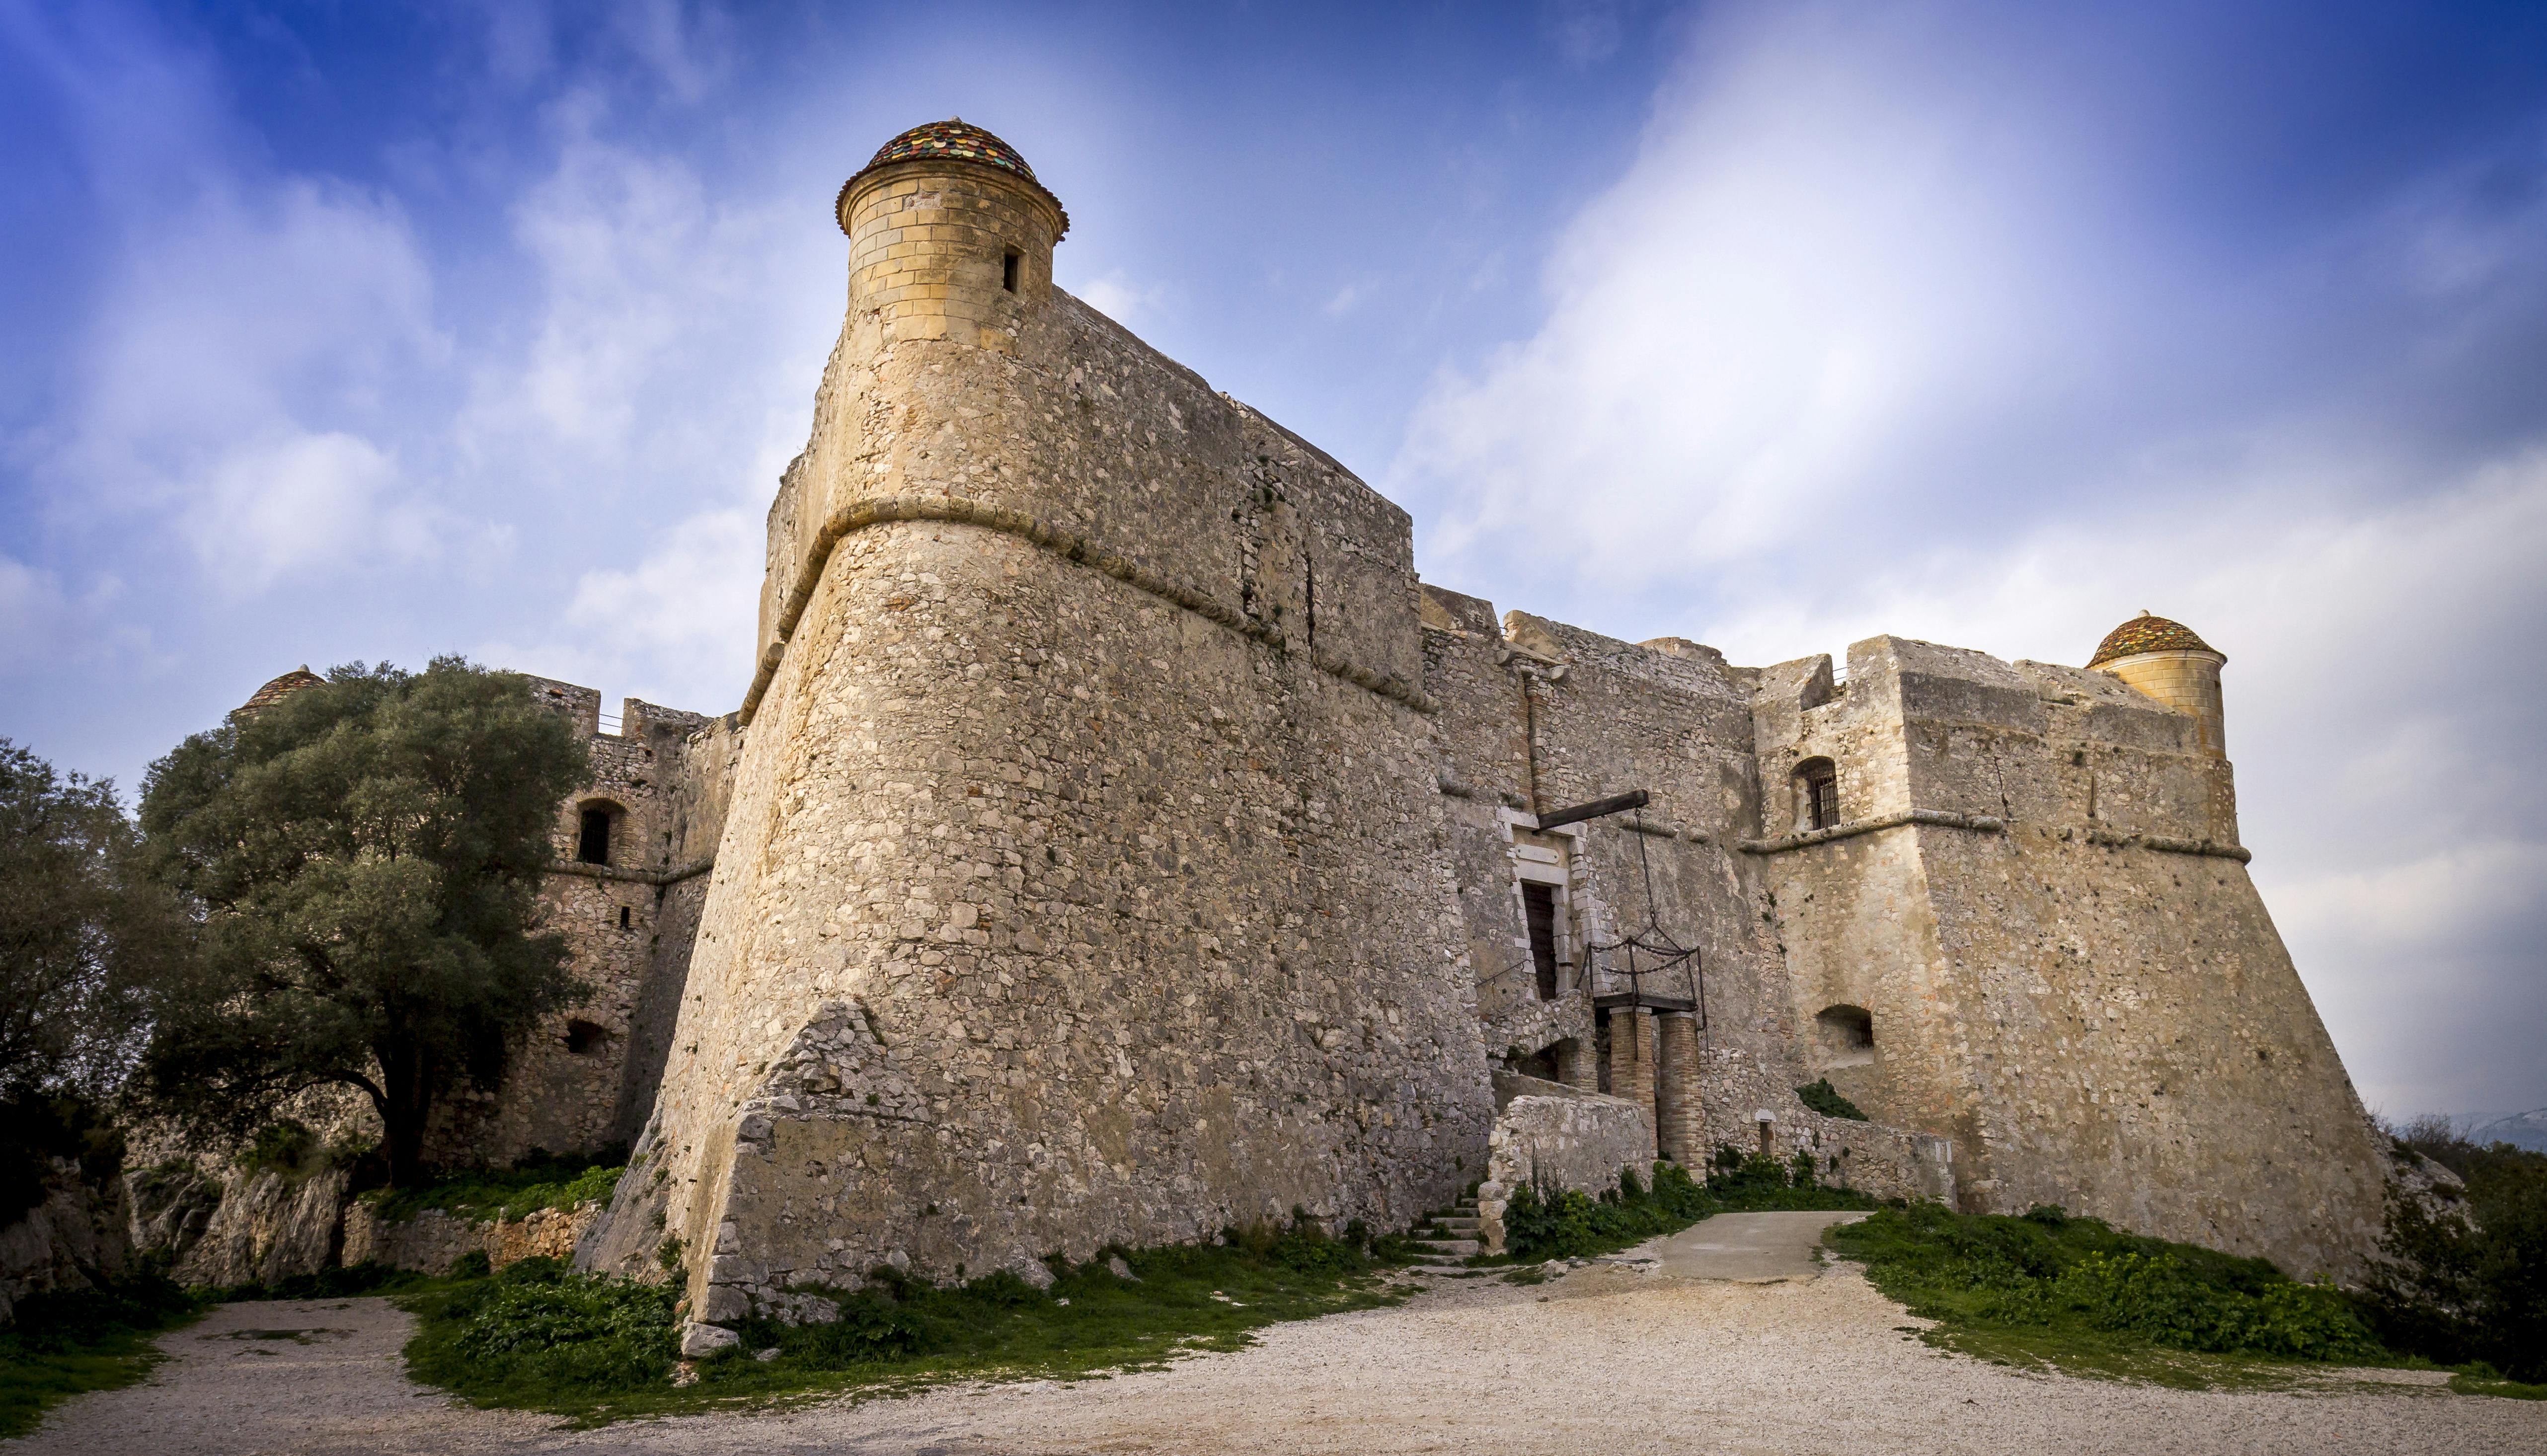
<point x="1825" y="1099"/>
<point x="2467" y="1282"/>
<point x="1545" y="1224"/>
<point x="541" y="1337"/>
<point x="2049" y="1272"/>
<point x="538" y="1327"/>
<point x="537" y="1182"/>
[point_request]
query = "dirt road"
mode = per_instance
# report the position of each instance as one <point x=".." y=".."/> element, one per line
<point x="1612" y="1358"/>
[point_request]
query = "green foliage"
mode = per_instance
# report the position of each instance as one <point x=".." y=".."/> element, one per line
<point x="82" y="932"/>
<point x="367" y="1277"/>
<point x="538" y="1328"/>
<point x="1825" y="1099"/>
<point x="363" y="858"/>
<point x="1545" y="1224"/>
<point x="2467" y="1282"/>
<point x="541" y="1338"/>
<point x="537" y="1182"/>
<point x="2074" y="1291"/>
<point x="40" y="1133"/>
<point x="283" y="1145"/>
<point x="66" y="1342"/>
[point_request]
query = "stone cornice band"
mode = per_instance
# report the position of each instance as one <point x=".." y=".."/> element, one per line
<point x="953" y="510"/>
<point x="1936" y="818"/>
<point x="691" y="870"/>
<point x="1985" y="824"/>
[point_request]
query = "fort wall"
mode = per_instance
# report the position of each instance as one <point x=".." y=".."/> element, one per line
<point x="1083" y="877"/>
<point x="2065" y="963"/>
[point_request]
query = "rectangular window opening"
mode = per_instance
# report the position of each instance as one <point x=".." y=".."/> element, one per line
<point x="1538" y="902"/>
<point x="1009" y="270"/>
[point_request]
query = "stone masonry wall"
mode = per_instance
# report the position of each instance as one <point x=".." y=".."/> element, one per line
<point x="1084" y="875"/>
<point x="2066" y="965"/>
<point x="1555" y="1138"/>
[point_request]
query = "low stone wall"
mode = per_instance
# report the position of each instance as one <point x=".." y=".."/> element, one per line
<point x="1872" y="1157"/>
<point x="1557" y="1137"/>
<point x="433" y="1240"/>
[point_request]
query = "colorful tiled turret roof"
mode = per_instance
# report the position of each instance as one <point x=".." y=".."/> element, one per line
<point x="2147" y="634"/>
<point x="952" y="137"/>
<point x="957" y="139"/>
<point x="276" y="691"/>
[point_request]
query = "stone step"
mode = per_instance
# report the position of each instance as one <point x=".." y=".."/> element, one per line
<point x="1457" y="1248"/>
<point x="1464" y="1223"/>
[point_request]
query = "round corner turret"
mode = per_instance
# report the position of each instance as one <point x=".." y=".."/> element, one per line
<point x="2167" y="661"/>
<point x="950" y="237"/>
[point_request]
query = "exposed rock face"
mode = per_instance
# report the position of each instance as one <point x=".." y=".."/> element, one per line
<point x="171" y="1206"/>
<point x="269" y="1226"/>
<point x="71" y="1240"/>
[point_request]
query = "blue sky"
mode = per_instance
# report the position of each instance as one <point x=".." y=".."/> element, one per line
<point x="370" y="331"/>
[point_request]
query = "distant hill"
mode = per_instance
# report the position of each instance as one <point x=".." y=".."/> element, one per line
<point x="2520" y="1130"/>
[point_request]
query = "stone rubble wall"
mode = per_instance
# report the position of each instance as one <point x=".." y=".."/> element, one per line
<point x="2097" y="1021"/>
<point x="1131" y="858"/>
<point x="1555" y="1138"/>
<point x="434" y="1239"/>
<point x="1872" y="1157"/>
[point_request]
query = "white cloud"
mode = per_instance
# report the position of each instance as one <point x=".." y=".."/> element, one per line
<point x="1876" y="333"/>
<point x="676" y="628"/>
<point x="1118" y="298"/>
<point x="299" y="503"/>
<point x="253" y="341"/>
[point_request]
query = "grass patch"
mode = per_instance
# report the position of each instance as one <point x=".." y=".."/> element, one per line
<point x="2047" y="1290"/>
<point x="511" y="1194"/>
<point x="1542" y="1225"/>
<point x="65" y="1343"/>
<point x="2482" y="1381"/>
<point x="540" y="1338"/>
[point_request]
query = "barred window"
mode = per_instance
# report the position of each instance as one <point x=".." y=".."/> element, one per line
<point x="1817" y="795"/>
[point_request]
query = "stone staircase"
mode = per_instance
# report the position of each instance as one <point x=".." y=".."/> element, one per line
<point x="1444" y="1241"/>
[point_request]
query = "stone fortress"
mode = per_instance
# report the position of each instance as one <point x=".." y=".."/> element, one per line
<point x="1117" y="842"/>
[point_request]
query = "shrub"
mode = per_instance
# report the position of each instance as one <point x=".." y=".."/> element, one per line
<point x="2047" y="1270"/>
<point x="1825" y="1099"/>
<point x="2467" y="1282"/>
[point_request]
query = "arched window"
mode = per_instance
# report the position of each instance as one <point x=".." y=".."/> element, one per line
<point x="1817" y="795"/>
<point x="584" y="1038"/>
<point x="592" y="831"/>
<point x="1846" y="1035"/>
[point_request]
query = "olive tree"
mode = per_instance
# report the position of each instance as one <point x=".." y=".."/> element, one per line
<point x="364" y="857"/>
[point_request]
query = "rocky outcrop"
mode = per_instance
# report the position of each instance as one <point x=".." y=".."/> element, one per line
<point x="169" y="1207"/>
<point x="72" y="1239"/>
<point x="269" y="1225"/>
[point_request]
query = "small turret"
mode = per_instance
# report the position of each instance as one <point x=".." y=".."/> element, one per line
<point x="950" y="237"/>
<point x="276" y="691"/>
<point x="2166" y="660"/>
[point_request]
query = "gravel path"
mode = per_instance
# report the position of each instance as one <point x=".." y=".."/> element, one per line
<point x="1607" y="1358"/>
<point x="1753" y="1246"/>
